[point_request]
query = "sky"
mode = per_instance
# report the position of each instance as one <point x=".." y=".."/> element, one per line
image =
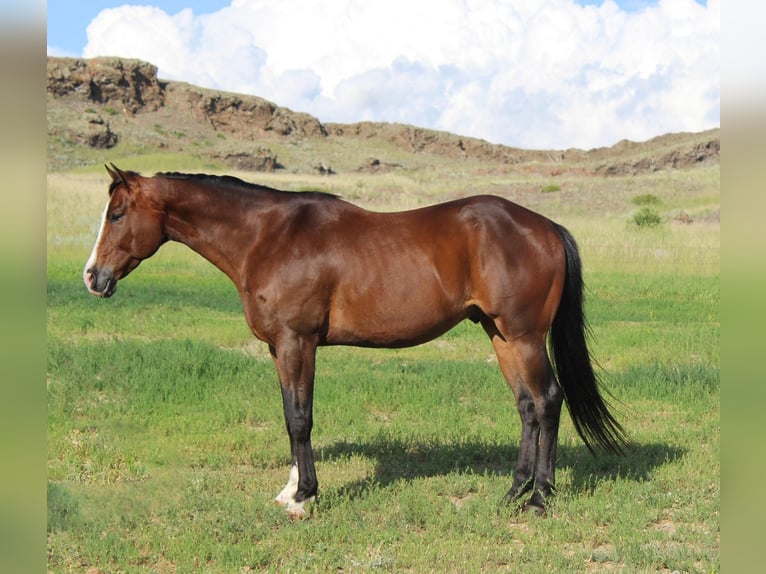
<point x="535" y="74"/>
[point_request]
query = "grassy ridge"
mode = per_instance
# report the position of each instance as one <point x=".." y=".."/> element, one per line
<point x="166" y="438"/>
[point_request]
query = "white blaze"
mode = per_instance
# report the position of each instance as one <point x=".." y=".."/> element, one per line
<point x="92" y="259"/>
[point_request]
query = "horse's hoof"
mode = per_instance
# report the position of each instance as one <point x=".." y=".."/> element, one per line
<point x="297" y="510"/>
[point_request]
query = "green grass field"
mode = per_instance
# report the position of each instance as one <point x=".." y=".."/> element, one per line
<point x="166" y="442"/>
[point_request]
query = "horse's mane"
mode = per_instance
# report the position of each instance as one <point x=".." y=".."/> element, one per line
<point x="234" y="182"/>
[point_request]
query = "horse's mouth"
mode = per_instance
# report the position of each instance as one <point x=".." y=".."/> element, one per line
<point x="109" y="288"/>
<point x="98" y="286"/>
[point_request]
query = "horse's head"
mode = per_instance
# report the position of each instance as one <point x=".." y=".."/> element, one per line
<point x="131" y="231"/>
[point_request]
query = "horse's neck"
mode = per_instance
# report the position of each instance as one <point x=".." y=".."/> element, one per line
<point x="203" y="221"/>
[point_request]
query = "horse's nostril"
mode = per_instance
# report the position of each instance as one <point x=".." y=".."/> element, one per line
<point x="90" y="276"/>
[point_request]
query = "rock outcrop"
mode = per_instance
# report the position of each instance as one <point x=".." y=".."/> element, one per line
<point x="130" y="84"/>
<point x="101" y="102"/>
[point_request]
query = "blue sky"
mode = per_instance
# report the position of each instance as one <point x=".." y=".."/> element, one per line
<point x="527" y="73"/>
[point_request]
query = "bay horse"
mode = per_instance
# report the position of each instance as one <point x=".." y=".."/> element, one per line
<point x="312" y="269"/>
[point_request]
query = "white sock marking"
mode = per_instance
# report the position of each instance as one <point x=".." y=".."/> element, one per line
<point x="287" y="496"/>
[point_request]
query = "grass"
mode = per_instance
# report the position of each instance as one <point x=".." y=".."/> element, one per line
<point x="166" y="441"/>
<point x="550" y="188"/>
<point x="646" y="199"/>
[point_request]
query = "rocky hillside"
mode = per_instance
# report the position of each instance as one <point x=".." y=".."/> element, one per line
<point x="103" y="108"/>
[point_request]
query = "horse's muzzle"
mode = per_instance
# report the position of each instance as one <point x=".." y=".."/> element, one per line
<point x="99" y="283"/>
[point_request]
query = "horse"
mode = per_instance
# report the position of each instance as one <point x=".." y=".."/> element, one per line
<point x="313" y="269"/>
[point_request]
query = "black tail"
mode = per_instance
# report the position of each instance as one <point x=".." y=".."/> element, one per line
<point x="572" y="360"/>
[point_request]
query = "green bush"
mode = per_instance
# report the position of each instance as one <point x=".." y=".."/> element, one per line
<point x="647" y="217"/>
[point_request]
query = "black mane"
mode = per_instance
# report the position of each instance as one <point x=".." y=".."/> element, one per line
<point x="235" y="182"/>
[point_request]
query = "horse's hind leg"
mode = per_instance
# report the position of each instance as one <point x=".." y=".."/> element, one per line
<point x="525" y="365"/>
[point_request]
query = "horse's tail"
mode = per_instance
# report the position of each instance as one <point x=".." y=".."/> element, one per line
<point x="590" y="414"/>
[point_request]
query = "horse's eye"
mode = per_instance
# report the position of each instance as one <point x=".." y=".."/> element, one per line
<point x="115" y="217"/>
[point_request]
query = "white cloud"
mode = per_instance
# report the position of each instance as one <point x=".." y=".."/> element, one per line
<point x="529" y="73"/>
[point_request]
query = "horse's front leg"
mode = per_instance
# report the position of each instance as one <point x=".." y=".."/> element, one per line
<point x="295" y="359"/>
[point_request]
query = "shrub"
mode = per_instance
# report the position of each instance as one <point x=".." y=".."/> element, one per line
<point x="551" y="188"/>
<point x="647" y="217"/>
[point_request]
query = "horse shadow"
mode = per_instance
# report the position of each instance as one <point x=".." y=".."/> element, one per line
<point x="397" y="460"/>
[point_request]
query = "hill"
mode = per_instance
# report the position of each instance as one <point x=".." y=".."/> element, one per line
<point x="103" y="107"/>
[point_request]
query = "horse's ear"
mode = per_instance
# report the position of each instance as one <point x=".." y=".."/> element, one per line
<point x="112" y="172"/>
<point x="118" y="176"/>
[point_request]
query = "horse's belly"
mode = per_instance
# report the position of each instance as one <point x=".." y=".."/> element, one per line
<point x="392" y="322"/>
